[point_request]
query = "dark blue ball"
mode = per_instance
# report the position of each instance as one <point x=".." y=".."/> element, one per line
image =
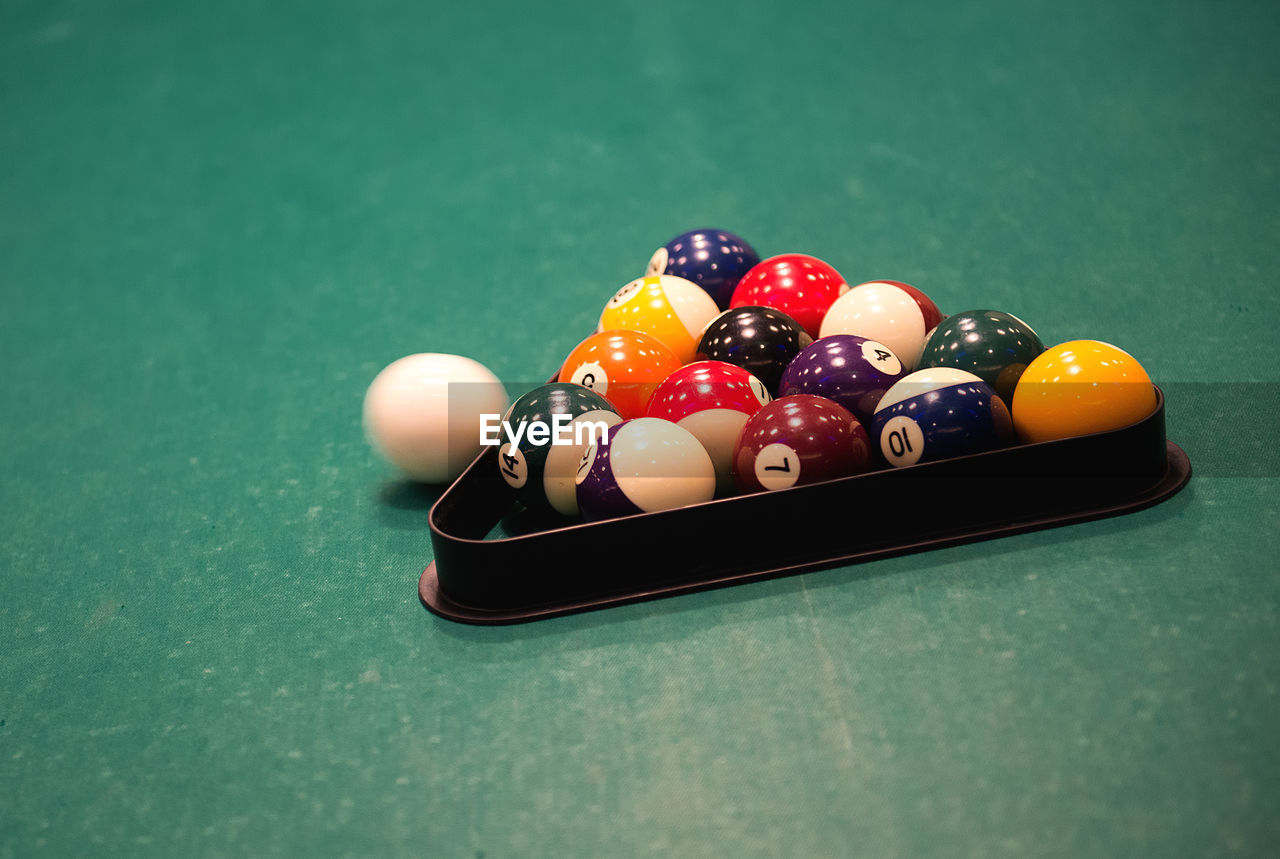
<point x="713" y="259"/>
<point x="939" y="414"/>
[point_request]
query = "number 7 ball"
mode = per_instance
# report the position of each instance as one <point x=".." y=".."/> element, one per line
<point x="796" y="440"/>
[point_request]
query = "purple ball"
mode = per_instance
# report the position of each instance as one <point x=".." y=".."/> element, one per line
<point x="850" y="370"/>
<point x="644" y="465"/>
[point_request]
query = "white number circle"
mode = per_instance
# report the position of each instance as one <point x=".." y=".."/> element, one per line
<point x="627" y="292"/>
<point x="881" y="357"/>
<point x="513" y="465"/>
<point x="902" y="441"/>
<point x="591" y="375"/>
<point x="777" y="466"/>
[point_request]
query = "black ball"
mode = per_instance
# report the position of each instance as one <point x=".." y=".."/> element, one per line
<point x="761" y="340"/>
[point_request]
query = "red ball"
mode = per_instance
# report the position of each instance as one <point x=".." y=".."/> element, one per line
<point x="798" y="440"/>
<point x="801" y="286"/>
<point x="712" y="400"/>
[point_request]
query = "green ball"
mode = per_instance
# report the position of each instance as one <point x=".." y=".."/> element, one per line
<point x="993" y="345"/>
<point x="533" y="417"/>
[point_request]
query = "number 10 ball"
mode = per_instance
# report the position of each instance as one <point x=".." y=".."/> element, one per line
<point x="938" y="414"/>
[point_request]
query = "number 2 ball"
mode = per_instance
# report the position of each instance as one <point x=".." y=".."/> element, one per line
<point x="798" y="440"/>
<point x="713" y="259"/>
<point x="937" y="414"/>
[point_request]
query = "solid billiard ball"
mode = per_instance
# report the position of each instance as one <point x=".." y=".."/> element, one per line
<point x="761" y="340"/>
<point x="937" y="414"/>
<point x="799" y="285"/>
<point x="796" y="440"/>
<point x="423" y="412"/>
<point x="712" y="400"/>
<point x="644" y="465"/>
<point x="853" y="371"/>
<point x="713" y="259"/>
<point x="993" y="345"/>
<point x="533" y="421"/>
<point x="894" y="313"/>
<point x="670" y="309"/>
<point x="1078" y="388"/>
<point x="622" y="366"/>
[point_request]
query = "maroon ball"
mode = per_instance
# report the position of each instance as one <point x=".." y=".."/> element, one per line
<point x="796" y="440"/>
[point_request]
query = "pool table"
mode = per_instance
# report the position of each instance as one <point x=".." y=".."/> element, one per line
<point x="218" y="222"/>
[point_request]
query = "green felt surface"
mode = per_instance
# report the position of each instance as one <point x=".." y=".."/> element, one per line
<point x="218" y="222"/>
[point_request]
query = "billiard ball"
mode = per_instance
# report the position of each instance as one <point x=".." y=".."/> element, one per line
<point x="799" y="285"/>
<point x="423" y="412"/>
<point x="937" y="414"/>
<point x="536" y="424"/>
<point x="797" y="440"/>
<point x="894" y="313"/>
<point x="713" y="259"/>
<point x="712" y="400"/>
<point x="644" y="465"/>
<point x="1078" y="388"/>
<point x="622" y="366"/>
<point x="668" y="308"/>
<point x="563" y="459"/>
<point x="853" y="371"/>
<point x="993" y="345"/>
<point x="761" y="340"/>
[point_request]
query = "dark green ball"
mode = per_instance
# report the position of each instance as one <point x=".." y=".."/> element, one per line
<point x="993" y="345"/>
<point x="523" y="466"/>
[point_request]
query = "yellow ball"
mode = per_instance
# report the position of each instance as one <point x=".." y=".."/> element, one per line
<point x="1078" y="388"/>
<point x="672" y="310"/>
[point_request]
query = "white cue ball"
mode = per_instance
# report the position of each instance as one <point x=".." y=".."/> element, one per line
<point x="422" y="413"/>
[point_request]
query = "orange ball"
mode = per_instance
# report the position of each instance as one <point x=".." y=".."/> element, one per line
<point x="624" y="367"/>
<point x="1078" y="388"/>
<point x="674" y="310"/>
